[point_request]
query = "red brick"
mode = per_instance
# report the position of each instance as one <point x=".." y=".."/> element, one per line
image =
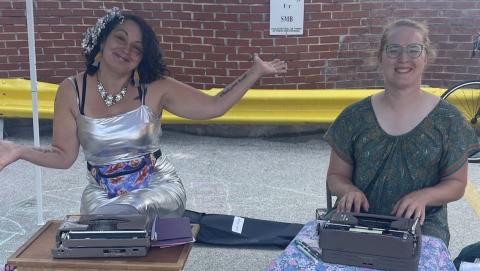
<point x="315" y="16"/>
<point x="15" y="59"/>
<point x="250" y="35"/>
<point x="192" y="40"/>
<point x="214" y="8"/>
<point x="171" y="6"/>
<point x="203" y="16"/>
<point x="214" y="41"/>
<point x="70" y="4"/>
<point x="296" y="49"/>
<point x="203" y="33"/>
<point x="19" y="4"/>
<point x="17" y="73"/>
<point x="251" y="17"/>
<point x="203" y="79"/>
<point x="259" y="26"/>
<point x="179" y="16"/>
<point x="330" y="23"/>
<point x="50" y="36"/>
<point x="171" y="39"/>
<point x="193" y="55"/>
<point x="16" y="44"/>
<point x="238" y="8"/>
<point x="68" y="21"/>
<point x="14" y="13"/>
<point x="195" y="71"/>
<point x="5" y="5"/>
<point x="170" y="23"/>
<point x="13" y="20"/>
<point x="204" y="64"/>
<point x="331" y="7"/>
<point x="222" y="80"/>
<point x="46" y="5"/>
<point x="9" y="66"/>
<point x="226" y="65"/>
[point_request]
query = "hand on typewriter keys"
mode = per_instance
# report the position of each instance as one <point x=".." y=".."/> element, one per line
<point x="411" y="205"/>
<point x="353" y="201"/>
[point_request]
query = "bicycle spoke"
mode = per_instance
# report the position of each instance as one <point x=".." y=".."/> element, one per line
<point x="466" y="96"/>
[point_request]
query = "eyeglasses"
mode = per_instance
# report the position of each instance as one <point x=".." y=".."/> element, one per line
<point x="413" y="50"/>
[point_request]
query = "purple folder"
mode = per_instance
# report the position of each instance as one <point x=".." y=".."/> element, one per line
<point x="168" y="232"/>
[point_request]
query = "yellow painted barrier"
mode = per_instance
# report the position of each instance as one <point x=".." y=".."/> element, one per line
<point x="258" y="106"/>
<point x="16" y="99"/>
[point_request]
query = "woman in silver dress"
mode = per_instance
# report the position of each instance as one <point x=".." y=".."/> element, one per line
<point x="113" y="111"/>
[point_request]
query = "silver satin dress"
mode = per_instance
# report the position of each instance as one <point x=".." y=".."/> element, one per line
<point x="122" y="138"/>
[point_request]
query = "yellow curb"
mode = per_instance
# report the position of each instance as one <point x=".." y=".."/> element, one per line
<point x="473" y="197"/>
<point x="258" y="106"/>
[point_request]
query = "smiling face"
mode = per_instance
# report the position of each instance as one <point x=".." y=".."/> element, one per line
<point x="405" y="70"/>
<point x="123" y="48"/>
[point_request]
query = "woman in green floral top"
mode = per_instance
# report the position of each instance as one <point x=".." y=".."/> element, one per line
<point x="403" y="151"/>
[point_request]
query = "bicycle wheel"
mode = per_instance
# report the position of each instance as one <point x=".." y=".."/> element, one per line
<point x="466" y="96"/>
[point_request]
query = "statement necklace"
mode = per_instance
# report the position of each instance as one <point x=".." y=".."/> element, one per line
<point x="109" y="99"/>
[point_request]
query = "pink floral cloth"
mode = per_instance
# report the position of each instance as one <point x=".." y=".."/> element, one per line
<point x="434" y="256"/>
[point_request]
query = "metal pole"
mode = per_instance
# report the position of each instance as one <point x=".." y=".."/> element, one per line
<point x="33" y="80"/>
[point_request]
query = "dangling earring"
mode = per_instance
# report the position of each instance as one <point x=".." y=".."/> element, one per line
<point x="98" y="57"/>
<point x="136" y="78"/>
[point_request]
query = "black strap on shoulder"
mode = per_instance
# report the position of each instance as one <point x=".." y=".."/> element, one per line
<point x="74" y="79"/>
<point x="84" y="91"/>
<point x="142" y="92"/>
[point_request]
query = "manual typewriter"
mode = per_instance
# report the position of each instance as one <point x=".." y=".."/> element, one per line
<point x="373" y="241"/>
<point x="86" y="236"/>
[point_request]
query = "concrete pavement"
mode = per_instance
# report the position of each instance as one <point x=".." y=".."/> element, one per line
<point x="277" y="178"/>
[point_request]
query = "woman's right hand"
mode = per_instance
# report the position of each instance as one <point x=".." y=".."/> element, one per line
<point x="353" y="201"/>
<point x="9" y="153"/>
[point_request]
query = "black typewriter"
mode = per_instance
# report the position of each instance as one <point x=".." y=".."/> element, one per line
<point x="372" y="241"/>
<point x="87" y="236"/>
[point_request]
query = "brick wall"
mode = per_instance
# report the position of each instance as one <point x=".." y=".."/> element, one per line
<point x="209" y="42"/>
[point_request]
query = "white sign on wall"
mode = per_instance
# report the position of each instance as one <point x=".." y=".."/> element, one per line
<point x="286" y="17"/>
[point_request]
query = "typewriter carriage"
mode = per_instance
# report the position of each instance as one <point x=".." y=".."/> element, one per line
<point x="373" y="241"/>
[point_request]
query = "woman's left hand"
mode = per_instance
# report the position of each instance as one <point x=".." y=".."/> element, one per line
<point x="273" y="67"/>
<point x="411" y="205"/>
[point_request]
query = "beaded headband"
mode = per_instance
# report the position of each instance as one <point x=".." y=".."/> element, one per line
<point x="90" y="38"/>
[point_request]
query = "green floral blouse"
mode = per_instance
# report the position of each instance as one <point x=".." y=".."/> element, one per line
<point x="387" y="167"/>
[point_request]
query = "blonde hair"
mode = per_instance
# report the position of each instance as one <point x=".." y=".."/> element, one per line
<point x="422" y="28"/>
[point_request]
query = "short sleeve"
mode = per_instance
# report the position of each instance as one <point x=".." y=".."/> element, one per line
<point x="459" y="141"/>
<point x="340" y="135"/>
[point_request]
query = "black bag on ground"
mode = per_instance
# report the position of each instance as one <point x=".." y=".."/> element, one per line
<point x="217" y="229"/>
<point x="468" y="254"/>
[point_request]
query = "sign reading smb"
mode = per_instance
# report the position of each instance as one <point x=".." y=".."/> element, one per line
<point x="286" y="17"/>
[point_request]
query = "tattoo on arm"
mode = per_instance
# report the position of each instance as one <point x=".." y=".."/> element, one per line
<point x="232" y="85"/>
<point x="42" y="150"/>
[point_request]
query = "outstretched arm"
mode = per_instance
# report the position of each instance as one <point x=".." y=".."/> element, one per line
<point x="188" y="102"/>
<point x="64" y="149"/>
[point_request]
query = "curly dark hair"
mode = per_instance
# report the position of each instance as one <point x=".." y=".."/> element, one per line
<point x="151" y="67"/>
